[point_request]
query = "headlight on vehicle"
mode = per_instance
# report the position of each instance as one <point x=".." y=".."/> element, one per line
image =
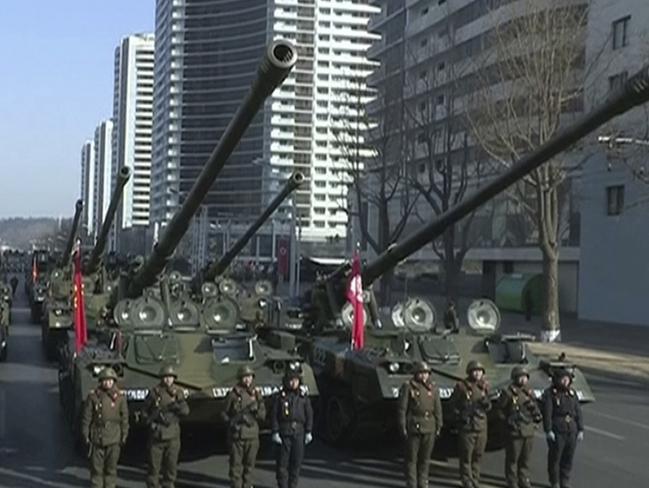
<point x="393" y="367"/>
<point x="58" y="312"/>
<point x="96" y="369"/>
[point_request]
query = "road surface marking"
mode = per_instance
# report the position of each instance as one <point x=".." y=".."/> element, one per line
<point x="620" y="420"/>
<point x="605" y="433"/>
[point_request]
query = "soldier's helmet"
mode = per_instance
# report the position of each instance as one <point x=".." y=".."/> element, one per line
<point x="292" y="373"/>
<point x="167" y="371"/>
<point x="519" y="371"/>
<point x="421" y="367"/>
<point x="107" y="374"/>
<point x="562" y="373"/>
<point x="474" y="365"/>
<point x="245" y="371"/>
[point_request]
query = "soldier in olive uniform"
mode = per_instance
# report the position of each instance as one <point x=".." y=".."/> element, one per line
<point x="163" y="408"/>
<point x="470" y="404"/>
<point x="420" y="421"/>
<point x="521" y="413"/>
<point x="563" y="425"/>
<point x="292" y="424"/>
<point x="104" y="426"/>
<point x="244" y="410"/>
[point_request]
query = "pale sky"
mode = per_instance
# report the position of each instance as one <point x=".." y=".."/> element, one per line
<point x="56" y="85"/>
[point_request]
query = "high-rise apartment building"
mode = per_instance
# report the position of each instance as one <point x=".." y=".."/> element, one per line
<point x="88" y="185"/>
<point x="206" y="57"/>
<point x="103" y="172"/>
<point x="133" y="118"/>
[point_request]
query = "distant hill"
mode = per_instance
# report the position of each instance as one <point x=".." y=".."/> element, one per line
<point x="21" y="232"/>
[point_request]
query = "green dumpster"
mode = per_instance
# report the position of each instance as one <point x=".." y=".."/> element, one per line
<point x="515" y="291"/>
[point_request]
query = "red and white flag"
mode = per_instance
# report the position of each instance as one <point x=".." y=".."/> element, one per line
<point x="355" y="297"/>
<point x="80" y="326"/>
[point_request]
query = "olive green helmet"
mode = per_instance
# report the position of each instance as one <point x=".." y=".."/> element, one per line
<point x="107" y="374"/>
<point x="245" y="371"/>
<point x="167" y="371"/>
<point x="421" y="367"/>
<point x="473" y="365"/>
<point x="519" y="371"/>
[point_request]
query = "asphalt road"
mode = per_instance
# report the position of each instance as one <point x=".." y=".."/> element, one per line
<point x="36" y="452"/>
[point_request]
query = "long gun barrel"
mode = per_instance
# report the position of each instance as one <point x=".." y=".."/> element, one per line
<point x="65" y="258"/>
<point x="275" y="67"/>
<point x="98" y="251"/>
<point x="634" y="93"/>
<point x="222" y="264"/>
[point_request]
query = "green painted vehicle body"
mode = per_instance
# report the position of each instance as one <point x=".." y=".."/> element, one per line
<point x="359" y="388"/>
<point x="153" y="318"/>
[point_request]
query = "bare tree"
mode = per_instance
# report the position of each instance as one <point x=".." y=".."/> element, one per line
<point x="375" y="169"/>
<point x="441" y="165"/>
<point x="530" y="79"/>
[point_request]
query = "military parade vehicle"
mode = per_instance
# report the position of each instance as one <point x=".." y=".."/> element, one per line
<point x="154" y="319"/>
<point x="36" y="281"/>
<point x="56" y="318"/>
<point x="359" y="388"/>
<point x="5" y="318"/>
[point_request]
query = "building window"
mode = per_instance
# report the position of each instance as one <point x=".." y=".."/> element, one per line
<point x="440" y="99"/>
<point x="423" y="42"/>
<point x="422" y="167"/>
<point x="441" y="2"/>
<point x="441" y="66"/>
<point x="614" y="199"/>
<point x="424" y="11"/>
<point x="617" y="81"/>
<point x="621" y="32"/>
<point x="421" y="138"/>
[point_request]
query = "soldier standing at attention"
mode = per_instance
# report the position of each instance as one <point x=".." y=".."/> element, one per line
<point x="292" y="424"/>
<point x="563" y="425"/>
<point x="104" y="426"/>
<point x="470" y="404"/>
<point x="163" y="408"/>
<point x="520" y="411"/>
<point x="420" y="421"/>
<point x="244" y="409"/>
<point x="451" y="320"/>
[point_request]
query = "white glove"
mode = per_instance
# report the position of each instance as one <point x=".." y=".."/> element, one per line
<point x="580" y="435"/>
<point x="308" y="438"/>
<point x="551" y="437"/>
<point x="276" y="438"/>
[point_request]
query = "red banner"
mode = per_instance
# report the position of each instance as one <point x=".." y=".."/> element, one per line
<point x="80" y="326"/>
<point x="355" y="297"/>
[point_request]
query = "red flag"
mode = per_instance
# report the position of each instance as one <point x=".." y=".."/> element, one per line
<point x="80" y="327"/>
<point x="34" y="270"/>
<point x="355" y="297"/>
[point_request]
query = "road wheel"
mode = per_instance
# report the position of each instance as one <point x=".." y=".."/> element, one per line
<point x="339" y="419"/>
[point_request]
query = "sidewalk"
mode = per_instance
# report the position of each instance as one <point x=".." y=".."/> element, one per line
<point x="614" y="349"/>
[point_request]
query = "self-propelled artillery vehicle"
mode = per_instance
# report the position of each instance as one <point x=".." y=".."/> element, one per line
<point x="358" y="389"/>
<point x="37" y="280"/>
<point x="56" y="316"/>
<point x="154" y="319"/>
<point x="58" y="320"/>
